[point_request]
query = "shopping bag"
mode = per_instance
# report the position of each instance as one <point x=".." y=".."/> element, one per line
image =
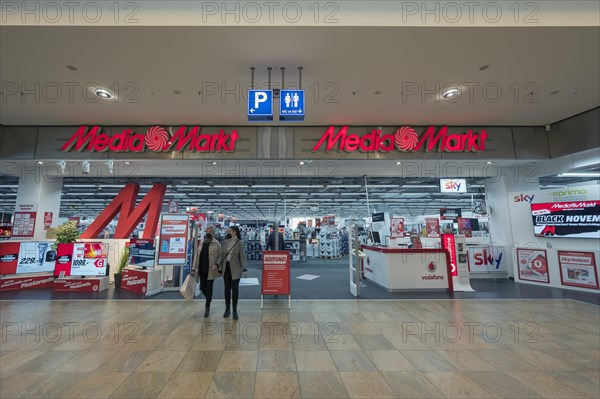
<point x="198" y="292"/>
<point x="188" y="288"/>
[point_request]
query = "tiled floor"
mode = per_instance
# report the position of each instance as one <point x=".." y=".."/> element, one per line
<point x="318" y="349"/>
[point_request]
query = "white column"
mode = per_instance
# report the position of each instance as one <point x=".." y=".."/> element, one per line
<point x="44" y="192"/>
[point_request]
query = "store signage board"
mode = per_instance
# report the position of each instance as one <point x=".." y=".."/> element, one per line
<point x="260" y="105"/>
<point x="291" y="105"/>
<point x="173" y="239"/>
<point x="453" y="185"/>
<point x="24" y="224"/>
<point x="155" y="139"/>
<point x="450" y="213"/>
<point x="448" y="244"/>
<point x="276" y="273"/>
<point x="578" y="269"/>
<point x="142" y="252"/>
<point x="486" y="258"/>
<point x="26" y="257"/>
<point x="575" y="219"/>
<point x="405" y="139"/>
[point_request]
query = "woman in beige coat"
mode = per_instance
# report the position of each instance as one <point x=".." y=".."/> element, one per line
<point x="205" y="265"/>
<point x="232" y="264"/>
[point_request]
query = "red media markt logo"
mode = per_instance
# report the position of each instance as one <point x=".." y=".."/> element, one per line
<point x="157" y="138"/>
<point x="431" y="267"/>
<point x="406" y="138"/>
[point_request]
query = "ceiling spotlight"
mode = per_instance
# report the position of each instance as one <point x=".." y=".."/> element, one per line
<point x="214" y="162"/>
<point x="111" y="166"/>
<point x="489" y="163"/>
<point x="40" y="163"/>
<point x="127" y="163"/>
<point x="62" y="165"/>
<point x="450" y="93"/>
<point x="85" y="167"/>
<point x="302" y="163"/>
<point x="102" y="93"/>
<point x="398" y="163"/>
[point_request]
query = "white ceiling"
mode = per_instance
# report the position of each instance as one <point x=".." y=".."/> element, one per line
<point x="343" y="68"/>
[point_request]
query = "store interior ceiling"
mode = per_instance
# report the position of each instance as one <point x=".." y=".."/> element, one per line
<point x="271" y="198"/>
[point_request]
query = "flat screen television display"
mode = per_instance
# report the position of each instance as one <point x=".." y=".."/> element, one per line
<point x="81" y="259"/>
<point x="142" y="252"/>
<point x="376" y="237"/>
<point x="575" y="219"/>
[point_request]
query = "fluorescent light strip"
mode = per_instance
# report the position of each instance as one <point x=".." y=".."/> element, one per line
<point x="266" y="186"/>
<point x="579" y="174"/>
<point x="420" y="186"/>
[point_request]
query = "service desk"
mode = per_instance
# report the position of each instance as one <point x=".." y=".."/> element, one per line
<point x="397" y="269"/>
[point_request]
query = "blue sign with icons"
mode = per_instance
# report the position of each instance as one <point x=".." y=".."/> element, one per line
<point x="260" y="105"/>
<point x="291" y="105"/>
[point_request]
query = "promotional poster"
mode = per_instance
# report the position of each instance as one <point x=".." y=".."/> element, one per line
<point x="578" y="269"/>
<point x="397" y="226"/>
<point x="81" y="259"/>
<point x="464" y="227"/>
<point x="26" y="257"/>
<point x="173" y="239"/>
<point x="433" y="227"/>
<point x="533" y="265"/>
<point x="141" y="252"/>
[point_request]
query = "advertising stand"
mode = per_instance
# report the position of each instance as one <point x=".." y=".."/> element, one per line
<point x="173" y="247"/>
<point x="81" y="267"/>
<point x="26" y="265"/>
<point x="458" y="257"/>
<point x="276" y="275"/>
<point x="144" y="281"/>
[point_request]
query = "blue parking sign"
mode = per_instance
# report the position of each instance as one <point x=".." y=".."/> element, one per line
<point x="291" y="105"/>
<point x="260" y="105"/>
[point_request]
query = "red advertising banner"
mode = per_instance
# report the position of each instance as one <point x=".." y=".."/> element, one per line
<point x="134" y="281"/>
<point x="75" y="219"/>
<point x="577" y="219"/>
<point x="433" y="227"/>
<point x="9" y="257"/>
<point x="81" y="259"/>
<point x="448" y="244"/>
<point x="26" y="283"/>
<point x="26" y="257"/>
<point x="533" y="265"/>
<point x="24" y="224"/>
<point x="47" y="220"/>
<point x="276" y="273"/>
<point x="81" y="285"/>
<point x="578" y="269"/>
<point x="397" y="227"/>
<point x="173" y="239"/>
<point x="464" y="227"/>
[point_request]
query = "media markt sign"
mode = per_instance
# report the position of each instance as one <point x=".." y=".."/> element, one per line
<point x="405" y="139"/>
<point x="156" y="139"/>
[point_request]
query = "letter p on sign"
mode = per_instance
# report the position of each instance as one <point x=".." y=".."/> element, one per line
<point x="259" y="97"/>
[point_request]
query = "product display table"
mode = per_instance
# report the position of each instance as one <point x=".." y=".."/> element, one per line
<point x="407" y="269"/>
<point x="141" y="281"/>
<point x="81" y="284"/>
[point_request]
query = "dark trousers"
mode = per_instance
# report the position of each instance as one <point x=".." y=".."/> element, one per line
<point x="231" y="287"/>
<point x="206" y="287"/>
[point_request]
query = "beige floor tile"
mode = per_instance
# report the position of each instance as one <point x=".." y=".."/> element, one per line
<point x="186" y="385"/>
<point x="501" y="384"/>
<point x="406" y="342"/>
<point x="428" y="361"/>
<point x="276" y="385"/>
<point x="352" y="361"/>
<point x="95" y="385"/>
<point x="577" y="360"/>
<point x="275" y="342"/>
<point x="544" y="361"/>
<point x="86" y="362"/>
<point x="212" y="341"/>
<point x="309" y="343"/>
<point x="276" y="361"/>
<point x="323" y="317"/>
<point x="275" y="317"/>
<point x="544" y="384"/>
<point x="47" y="362"/>
<point x="14" y="385"/>
<point x="123" y="361"/>
<point x="232" y="385"/>
<point x="377" y="317"/>
<point x="142" y="343"/>
<point x="365" y="328"/>
<point x="342" y="342"/>
<point x="457" y="385"/>
<point x="238" y="361"/>
<point x="411" y="385"/>
<point x="505" y="360"/>
<point x="14" y="359"/>
<point x="595" y="353"/>
<point x="390" y="361"/>
<point x="54" y="385"/>
<point x="366" y="385"/>
<point x="199" y="361"/>
<point x="374" y="342"/>
<point x="465" y="360"/>
<point x="141" y="385"/>
<point x="314" y="361"/>
<point x="247" y="341"/>
<point x="161" y="361"/>
<point x="177" y="343"/>
<point x="322" y="385"/>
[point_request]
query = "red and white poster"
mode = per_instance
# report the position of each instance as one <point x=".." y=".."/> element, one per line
<point x="533" y="265"/>
<point x="26" y="257"/>
<point x="578" y="269"/>
<point x="576" y="219"/>
<point x="464" y="227"/>
<point x="397" y="227"/>
<point x="449" y="245"/>
<point x="81" y="259"/>
<point x="25" y="283"/>
<point x="89" y="285"/>
<point x="276" y="273"/>
<point x="433" y="227"/>
<point x="47" y="220"/>
<point x="24" y="220"/>
<point x="173" y="239"/>
<point x="135" y="281"/>
<point x="75" y="219"/>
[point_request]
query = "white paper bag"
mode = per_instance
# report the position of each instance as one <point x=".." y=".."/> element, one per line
<point x="188" y="288"/>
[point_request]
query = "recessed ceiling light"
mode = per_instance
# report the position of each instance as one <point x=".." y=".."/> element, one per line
<point x="483" y="67"/>
<point x="214" y="162"/>
<point x="489" y="163"/>
<point x="398" y="163"/>
<point x="554" y="92"/>
<point x="102" y="93"/>
<point x="377" y="93"/>
<point x="176" y="92"/>
<point x="40" y="163"/>
<point x="302" y="162"/>
<point x="127" y="163"/>
<point x="71" y="68"/>
<point x="450" y="93"/>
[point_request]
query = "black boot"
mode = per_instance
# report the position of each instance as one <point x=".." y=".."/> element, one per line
<point x="226" y="314"/>
<point x="235" y="314"/>
<point x="207" y="311"/>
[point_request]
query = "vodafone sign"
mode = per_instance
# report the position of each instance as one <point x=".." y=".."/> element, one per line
<point x="405" y="139"/>
<point x="155" y="139"/>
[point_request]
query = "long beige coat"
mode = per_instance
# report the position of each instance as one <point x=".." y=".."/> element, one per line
<point x="237" y="258"/>
<point x="214" y="251"/>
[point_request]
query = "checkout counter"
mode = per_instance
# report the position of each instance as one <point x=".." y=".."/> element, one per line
<point x="397" y="269"/>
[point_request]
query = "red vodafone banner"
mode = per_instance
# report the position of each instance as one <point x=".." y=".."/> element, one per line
<point x="135" y="281"/>
<point x="448" y="245"/>
<point x="276" y="273"/>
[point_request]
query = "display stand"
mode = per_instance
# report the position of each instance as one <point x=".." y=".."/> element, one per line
<point x="276" y="275"/>
<point x="142" y="281"/>
<point x="81" y="284"/>
<point x="26" y="282"/>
